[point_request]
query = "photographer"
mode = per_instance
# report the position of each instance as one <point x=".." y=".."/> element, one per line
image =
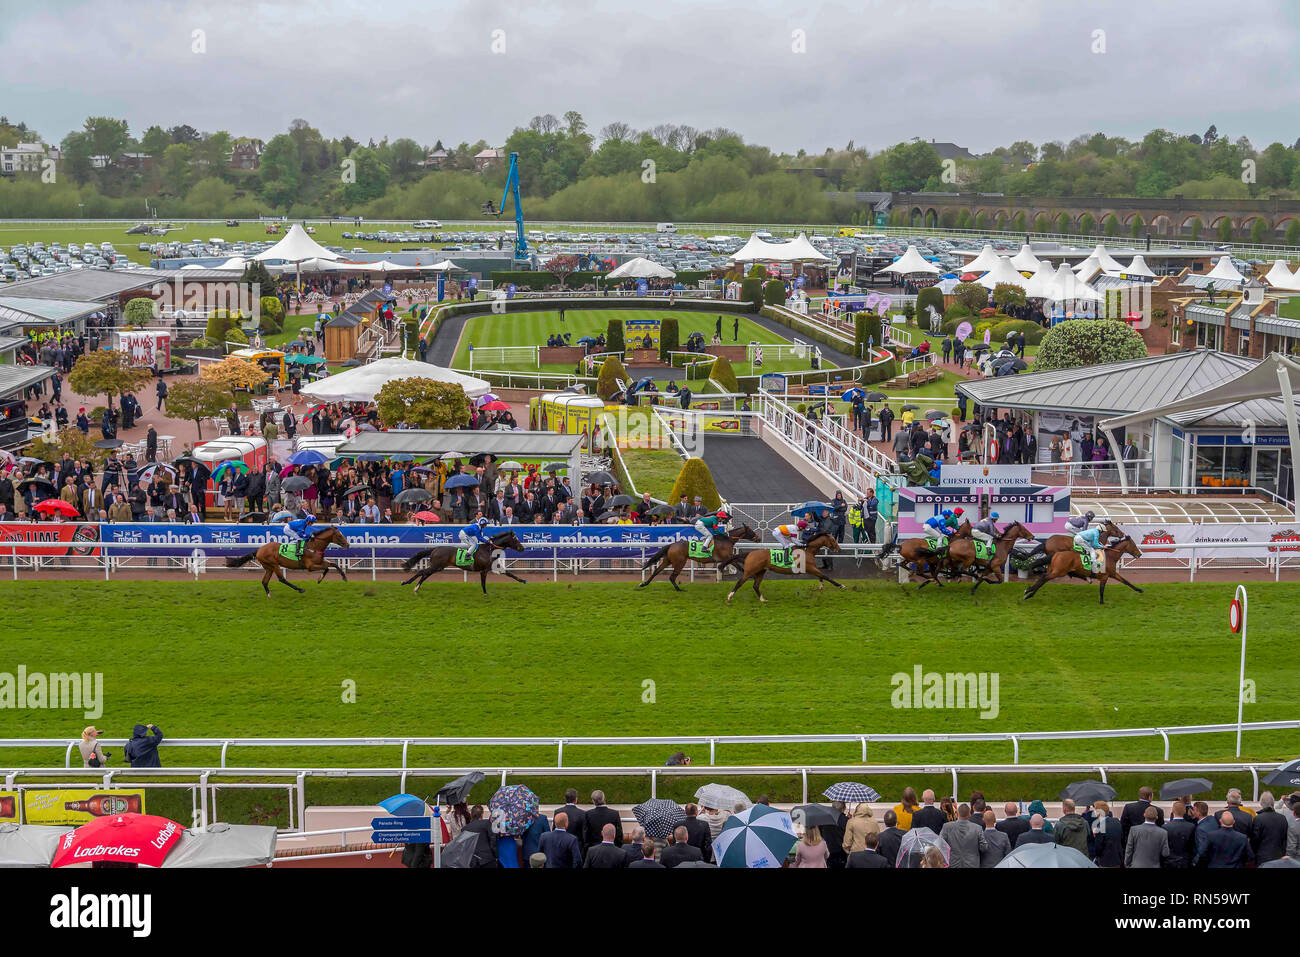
<point x="92" y="756"/>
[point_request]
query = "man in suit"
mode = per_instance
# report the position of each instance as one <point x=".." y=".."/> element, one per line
<point x="1268" y="831"/>
<point x="561" y="848"/>
<point x="1182" y="837"/>
<point x="633" y="847"/>
<point x="1240" y="815"/>
<point x="1134" y="813"/>
<point x="698" y="833"/>
<point x="1293" y="827"/>
<point x="647" y="856"/>
<point x="680" y="850"/>
<point x="605" y="855"/>
<point x="598" y="817"/>
<point x="1035" y="834"/>
<point x="870" y="856"/>
<point x="929" y="815"/>
<point x="1225" y="846"/>
<point x="998" y="845"/>
<point x="1205" y="823"/>
<point x="683" y="512"/>
<point x="890" y="840"/>
<point x="1148" y="843"/>
<point x="1012" y="825"/>
<point x="965" y="839"/>
<point x="576" y="817"/>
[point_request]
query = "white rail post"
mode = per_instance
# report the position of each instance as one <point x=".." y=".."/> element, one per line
<point x="1241" y="680"/>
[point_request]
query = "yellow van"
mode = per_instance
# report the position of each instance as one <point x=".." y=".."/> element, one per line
<point x="847" y="232"/>
<point x="270" y="360"/>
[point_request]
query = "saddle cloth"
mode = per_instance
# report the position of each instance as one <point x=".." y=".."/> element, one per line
<point x="291" y="551"/>
<point x="697" y="548"/>
<point x="464" y="558"/>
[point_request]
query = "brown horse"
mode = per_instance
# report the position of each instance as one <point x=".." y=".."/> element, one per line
<point x="1065" y="543"/>
<point x="444" y="556"/>
<point x="962" y="554"/>
<point x="313" y="558"/>
<point x="759" y="562"/>
<point x="925" y="561"/>
<point x="677" y="554"/>
<point x="1071" y="564"/>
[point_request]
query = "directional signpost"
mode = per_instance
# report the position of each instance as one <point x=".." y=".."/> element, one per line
<point x="401" y="830"/>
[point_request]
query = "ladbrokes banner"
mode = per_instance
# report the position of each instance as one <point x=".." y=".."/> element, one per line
<point x="1267" y="541"/>
<point x="79" y="805"/>
<point x="9" y="807"/>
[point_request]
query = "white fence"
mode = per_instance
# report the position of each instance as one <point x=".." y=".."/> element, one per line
<point x="505" y="355"/>
<point x="839" y="453"/>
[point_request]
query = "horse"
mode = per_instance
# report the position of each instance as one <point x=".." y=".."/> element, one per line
<point x="759" y="562"/>
<point x="1065" y="543"/>
<point x="962" y="553"/>
<point x="312" y="560"/>
<point x="444" y="556"/>
<point x="1071" y="564"/>
<point x="915" y="554"/>
<point x="677" y="554"/>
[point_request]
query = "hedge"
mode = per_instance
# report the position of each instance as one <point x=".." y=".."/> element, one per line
<point x="614" y="336"/>
<point x="270" y="315"/>
<point x="866" y="327"/>
<point x="669" y="338"/>
<point x="695" y="479"/>
<point x="751" y="291"/>
<point x="1033" y="331"/>
<point x="610" y="371"/>
<point x="722" y="373"/>
<point x="929" y="296"/>
<point x="774" y="293"/>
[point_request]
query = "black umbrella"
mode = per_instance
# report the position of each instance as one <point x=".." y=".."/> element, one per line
<point x="659" y="817"/>
<point x="295" y="483"/>
<point x="620" y="500"/>
<point x="696" y="864"/>
<point x="248" y="517"/>
<point x="480" y="458"/>
<point x="662" y="510"/>
<point x="1184" y="787"/>
<point x="351" y="363"/>
<point x="468" y="849"/>
<point x="412" y="496"/>
<point x="1087" y="792"/>
<point x="357" y="490"/>
<point x="109" y="444"/>
<point x="598" y="478"/>
<point x="876" y="397"/>
<point x="911" y="408"/>
<point x="815" y="815"/>
<point x="554" y="467"/>
<point x="604" y="517"/>
<point x="1287" y="776"/>
<point x="457" y="791"/>
<point x="29" y="482"/>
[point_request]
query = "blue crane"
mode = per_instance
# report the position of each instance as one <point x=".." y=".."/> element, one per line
<point x="512" y="190"/>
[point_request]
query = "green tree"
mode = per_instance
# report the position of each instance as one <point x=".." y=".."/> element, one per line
<point x="614" y="336"/>
<point x="280" y="172"/>
<point x="722" y="373"/>
<point x="176" y="168"/>
<point x="1224" y="231"/>
<point x="1018" y="221"/>
<point x="270" y="315"/>
<point x="1112" y="225"/>
<point x="1258" y="230"/>
<point x="1008" y="294"/>
<point x="774" y="292"/>
<point x="669" y="338"/>
<point x="1085" y="342"/>
<point x="422" y="403"/>
<point x="155" y="141"/>
<point x="195" y="401"/>
<point x="866" y="332"/>
<point x="1063" y="222"/>
<point x="1293" y="232"/>
<point x="139" y="311"/>
<point x="107" y="372"/>
<point x="908" y="166"/>
<point x="1137" y="227"/>
<point x="696" y="479"/>
<point x="611" y="371"/>
<point x="107" y="137"/>
<point x="1087" y="224"/>
<point x="1042" y="224"/>
<point x="972" y="296"/>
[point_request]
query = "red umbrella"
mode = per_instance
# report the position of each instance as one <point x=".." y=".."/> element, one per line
<point x="426" y="516"/>
<point x="127" y="838"/>
<point x="57" y="505"/>
<point x="312" y="411"/>
<point x="969" y="276"/>
<point x="496" y="405"/>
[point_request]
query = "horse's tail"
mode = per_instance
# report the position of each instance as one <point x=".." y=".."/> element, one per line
<point x="417" y="558"/>
<point x="657" y="556"/>
<point x="241" y="561"/>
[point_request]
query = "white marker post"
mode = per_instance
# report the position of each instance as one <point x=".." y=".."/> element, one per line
<point x="1237" y="622"/>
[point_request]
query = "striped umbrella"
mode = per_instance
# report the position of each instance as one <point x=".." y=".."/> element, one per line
<point x="759" y="836"/>
<point x="850" y="792"/>
<point x="513" y="809"/>
<point x="659" y="817"/>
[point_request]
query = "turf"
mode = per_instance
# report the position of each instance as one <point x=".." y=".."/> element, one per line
<point x="532" y="328"/>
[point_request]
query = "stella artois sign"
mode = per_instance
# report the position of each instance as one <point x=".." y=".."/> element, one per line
<point x="1152" y="540"/>
<point x="1285" y="535"/>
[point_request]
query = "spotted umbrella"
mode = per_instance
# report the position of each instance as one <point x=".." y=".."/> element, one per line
<point x="721" y="797"/>
<point x="513" y="809"/>
<point x="759" y="836"/>
<point x="659" y="817"/>
<point x="850" y="792"/>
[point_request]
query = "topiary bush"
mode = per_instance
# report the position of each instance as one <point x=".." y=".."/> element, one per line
<point x="929" y="296"/>
<point x="696" y="479"/>
<point x="611" y="370"/>
<point x="866" y="328"/>
<point x="614" y="336"/>
<point x="235" y="334"/>
<point x="270" y="315"/>
<point x="751" y="291"/>
<point x="722" y="373"/>
<point x="774" y="293"/>
<point x="139" y="311"/>
<point x="1033" y="331"/>
<point x="1084" y="342"/>
<point x="669" y="338"/>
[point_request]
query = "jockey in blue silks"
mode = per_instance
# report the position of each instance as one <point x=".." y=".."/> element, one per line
<point x="472" y="535"/>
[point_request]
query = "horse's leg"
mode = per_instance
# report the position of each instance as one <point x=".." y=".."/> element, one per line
<point x="677" y="570"/>
<point x="1101" y="590"/>
<point x="268" y="571"/>
<point x="823" y="578"/>
<point x="423" y="576"/>
<point x="482" y="580"/>
<point x="740" y="580"/>
<point x="279" y="573"/>
<point x="324" y="570"/>
<point x="338" y="567"/>
<point x="646" y="581"/>
<point x="1121" y="578"/>
<point x="758" y="579"/>
<point x="514" y="576"/>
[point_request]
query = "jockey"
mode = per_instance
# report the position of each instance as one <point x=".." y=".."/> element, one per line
<point x="1077" y="523"/>
<point x="952" y="519"/>
<point x="299" y="530"/>
<point x="472" y="535"/>
<point x="789" y="535"/>
<point x="986" y="529"/>
<point x="710" y="526"/>
<point x="1090" y="540"/>
<point x="938" y="526"/>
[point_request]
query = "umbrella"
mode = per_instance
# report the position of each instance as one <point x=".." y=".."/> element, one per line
<point x="596" y="478"/>
<point x="126" y="838"/>
<point x="495" y="406"/>
<point x="851" y="394"/>
<point x="469" y="849"/>
<point x="404" y="805"/>
<point x="461" y="480"/>
<point x="1045" y="855"/>
<point x="810" y="508"/>
<point x="1087" y="792"/>
<point x="422" y="468"/>
<point x="759" y="836"/>
<point x="510" y="466"/>
<point x="911" y="408"/>
<point x="850" y="792"/>
<point x="662" y="510"/>
<point x="29" y="482"/>
<point x="913" y="846"/>
<point x="513" y="808"/>
<point x="608" y="516"/>
<point x="426" y="517"/>
<point x="659" y="817"/>
<point x="479" y="458"/>
<point x="249" y="518"/>
<point x="283" y="515"/>
<point x="224" y="845"/>
<point x="189" y="460"/>
<point x="1184" y="787"/>
<point x="229" y="465"/>
<point x="314" y="410"/>
<point x="351" y="364"/>
<point x="452" y="456"/>
<point x="308" y="457"/>
<point x="586" y="341"/>
<point x="295" y="484"/>
<point x="457" y="791"/>
<point x="357" y="490"/>
<point x="876" y="397"/>
<point x="554" y="467"/>
<point x="109" y="444"/>
<point x="1288" y="775"/>
<point x="485" y="398"/>
<point x="721" y="797"/>
<point x="699" y="864"/>
<point x="147" y="473"/>
<point x="401" y="457"/>
<point x="29" y="845"/>
<point x="412" y="496"/>
<point x="619" y="501"/>
<point x="933" y="414"/>
<point x="57" y="505"/>
<point x="815" y="815"/>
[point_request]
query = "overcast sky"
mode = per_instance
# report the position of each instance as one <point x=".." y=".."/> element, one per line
<point x="977" y="72"/>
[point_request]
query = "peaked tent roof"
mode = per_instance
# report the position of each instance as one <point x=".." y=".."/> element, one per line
<point x="797" y="250"/>
<point x="1257" y="380"/>
<point x="755" y="250"/>
<point x="641" y="268"/>
<point x="1105" y="259"/>
<point x="1025" y="260"/>
<point x="1138" y="267"/>
<point x="295" y="247"/>
<point x="1090" y="266"/>
<point x="910" y="262"/>
<point x="983" y="262"/>
<point x="363" y="383"/>
<point x="1114" y="387"/>
<point x="804" y="251"/>
<point x="1041" y="281"/>
<point x="1225" y="271"/>
<point x="1280" y="276"/>
<point x="1003" y="272"/>
<point x="1067" y="287"/>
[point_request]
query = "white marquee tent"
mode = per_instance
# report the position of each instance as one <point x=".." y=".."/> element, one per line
<point x="1225" y="271"/>
<point x="911" y="262"/>
<point x="1040" y="283"/>
<point x="1025" y="260"/>
<point x="1067" y="287"/>
<point x="296" y="247"/>
<point x="1105" y="260"/>
<point x="983" y="262"/>
<point x="641" y="268"/>
<point x="1003" y="272"/>
<point x="1280" y="277"/>
<point x="1138" y="267"/>
<point x="796" y="251"/>
<point x="363" y="383"/>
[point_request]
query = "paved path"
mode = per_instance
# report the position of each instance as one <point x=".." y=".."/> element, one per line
<point x="749" y="470"/>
